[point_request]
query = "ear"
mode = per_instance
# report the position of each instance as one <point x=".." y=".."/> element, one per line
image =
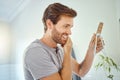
<point x="49" y="24"/>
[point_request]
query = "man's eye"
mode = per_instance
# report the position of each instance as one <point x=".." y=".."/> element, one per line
<point x="65" y="26"/>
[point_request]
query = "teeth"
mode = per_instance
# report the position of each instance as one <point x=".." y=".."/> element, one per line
<point x="65" y="37"/>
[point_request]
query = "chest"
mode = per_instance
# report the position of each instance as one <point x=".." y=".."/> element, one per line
<point x="57" y="59"/>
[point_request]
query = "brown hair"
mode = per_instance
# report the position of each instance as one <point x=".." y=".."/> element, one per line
<point x="54" y="11"/>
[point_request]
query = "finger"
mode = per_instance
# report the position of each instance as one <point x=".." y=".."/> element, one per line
<point x="98" y="49"/>
<point x="69" y="42"/>
<point x="100" y="43"/>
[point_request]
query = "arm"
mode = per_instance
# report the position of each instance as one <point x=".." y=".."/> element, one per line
<point x="66" y="71"/>
<point x="82" y="68"/>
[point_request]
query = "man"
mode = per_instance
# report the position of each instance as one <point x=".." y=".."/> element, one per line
<point x="49" y="58"/>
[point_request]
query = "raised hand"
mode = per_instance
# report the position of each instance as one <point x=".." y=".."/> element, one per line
<point x="100" y="44"/>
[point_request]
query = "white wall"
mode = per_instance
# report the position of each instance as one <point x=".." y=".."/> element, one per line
<point x="118" y="8"/>
<point x="5" y="43"/>
<point x="27" y="26"/>
<point x="118" y="15"/>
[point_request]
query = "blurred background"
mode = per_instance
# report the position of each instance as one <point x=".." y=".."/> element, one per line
<point x="21" y="23"/>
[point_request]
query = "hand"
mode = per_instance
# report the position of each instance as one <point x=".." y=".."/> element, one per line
<point x="68" y="46"/>
<point x="100" y="44"/>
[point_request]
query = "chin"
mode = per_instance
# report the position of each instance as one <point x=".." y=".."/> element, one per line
<point x="63" y="43"/>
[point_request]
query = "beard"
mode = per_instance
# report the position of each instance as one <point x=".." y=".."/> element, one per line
<point x="60" y="38"/>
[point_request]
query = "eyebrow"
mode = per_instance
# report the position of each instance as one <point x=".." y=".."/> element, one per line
<point x="69" y="25"/>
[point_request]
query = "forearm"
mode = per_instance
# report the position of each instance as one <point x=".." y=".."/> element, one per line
<point x="87" y="63"/>
<point x="66" y="72"/>
<point x="84" y="67"/>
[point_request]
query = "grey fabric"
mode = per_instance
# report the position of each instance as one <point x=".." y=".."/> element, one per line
<point x="41" y="60"/>
<point x="74" y="77"/>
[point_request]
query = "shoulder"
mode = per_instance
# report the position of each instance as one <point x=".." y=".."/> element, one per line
<point x="34" y="52"/>
<point x="35" y="48"/>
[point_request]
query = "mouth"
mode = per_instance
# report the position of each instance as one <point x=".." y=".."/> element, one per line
<point x="65" y="37"/>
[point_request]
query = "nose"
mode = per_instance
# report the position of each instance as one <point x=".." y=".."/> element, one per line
<point x="69" y="32"/>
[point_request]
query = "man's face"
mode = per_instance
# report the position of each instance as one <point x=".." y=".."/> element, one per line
<point x="62" y="29"/>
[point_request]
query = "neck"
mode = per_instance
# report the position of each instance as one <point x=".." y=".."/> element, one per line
<point x="46" y="39"/>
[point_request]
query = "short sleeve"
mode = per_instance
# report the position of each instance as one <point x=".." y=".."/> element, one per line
<point x="39" y="63"/>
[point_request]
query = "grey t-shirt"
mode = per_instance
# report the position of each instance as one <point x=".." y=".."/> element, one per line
<point x="41" y="60"/>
